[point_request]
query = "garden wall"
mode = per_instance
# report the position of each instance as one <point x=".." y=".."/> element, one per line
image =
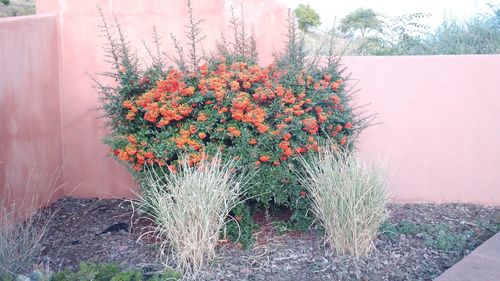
<point x="439" y="131"/>
<point x="30" y="119"/>
<point x="82" y="54"/>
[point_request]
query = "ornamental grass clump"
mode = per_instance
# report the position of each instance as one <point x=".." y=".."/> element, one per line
<point x="22" y="229"/>
<point x="190" y="208"/>
<point x="20" y="243"/>
<point x="348" y="197"/>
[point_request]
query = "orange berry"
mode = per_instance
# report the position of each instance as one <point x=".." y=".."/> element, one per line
<point x="235" y="86"/>
<point x="132" y="139"/>
<point x="172" y="169"/>
<point x="264" y="158"/>
<point x="343" y="140"/>
<point x="335" y="86"/>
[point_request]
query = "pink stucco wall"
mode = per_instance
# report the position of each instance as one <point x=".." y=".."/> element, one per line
<point x="82" y="53"/>
<point x="440" y="124"/>
<point x="30" y="120"/>
<point x="439" y="131"/>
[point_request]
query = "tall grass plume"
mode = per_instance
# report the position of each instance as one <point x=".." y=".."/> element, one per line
<point x="348" y="197"/>
<point x="189" y="208"/>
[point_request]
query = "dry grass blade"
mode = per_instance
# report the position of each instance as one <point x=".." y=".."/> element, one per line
<point x="348" y="197"/>
<point x="190" y="208"/>
<point x="21" y="240"/>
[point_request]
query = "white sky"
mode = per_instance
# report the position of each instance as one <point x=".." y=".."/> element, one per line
<point x="331" y="9"/>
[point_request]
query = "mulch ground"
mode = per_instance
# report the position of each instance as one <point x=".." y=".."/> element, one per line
<point x="418" y="242"/>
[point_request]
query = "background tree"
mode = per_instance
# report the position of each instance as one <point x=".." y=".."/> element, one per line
<point x="403" y="35"/>
<point x="307" y="17"/>
<point x="477" y="35"/>
<point x="371" y="33"/>
<point x="362" y="20"/>
<point x="13" y="8"/>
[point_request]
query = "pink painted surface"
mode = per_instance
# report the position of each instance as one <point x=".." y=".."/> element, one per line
<point x="30" y="120"/>
<point x="82" y="53"/>
<point x="440" y="131"/>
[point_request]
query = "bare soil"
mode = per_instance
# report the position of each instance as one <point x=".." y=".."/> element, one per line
<point x="418" y="242"/>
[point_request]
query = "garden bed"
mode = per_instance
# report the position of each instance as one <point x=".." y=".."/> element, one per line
<point x="418" y="242"/>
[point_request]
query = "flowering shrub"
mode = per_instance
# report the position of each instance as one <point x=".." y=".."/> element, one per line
<point x="264" y="117"/>
<point x="245" y="111"/>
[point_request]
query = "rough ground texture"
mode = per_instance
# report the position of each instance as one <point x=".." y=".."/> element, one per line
<point x="418" y="242"/>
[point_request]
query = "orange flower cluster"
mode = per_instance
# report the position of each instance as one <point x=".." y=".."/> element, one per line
<point x="132" y="110"/>
<point x="202" y="117"/>
<point x="185" y="139"/>
<point x="163" y="105"/>
<point x="255" y="116"/>
<point x="235" y="105"/>
<point x="264" y="158"/>
<point x="135" y="152"/>
<point x="195" y="158"/>
<point x="286" y="150"/>
<point x="243" y="110"/>
<point x="234" y="132"/>
<point x="310" y="125"/>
